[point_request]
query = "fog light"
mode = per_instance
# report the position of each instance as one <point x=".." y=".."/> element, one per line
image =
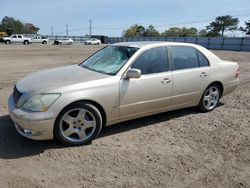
<point x="28" y="132"/>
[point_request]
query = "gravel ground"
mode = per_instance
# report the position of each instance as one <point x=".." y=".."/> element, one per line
<point x="183" y="148"/>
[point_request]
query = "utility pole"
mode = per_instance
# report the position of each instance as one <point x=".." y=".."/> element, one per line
<point x="52" y="30"/>
<point x="90" y="28"/>
<point x="67" y="30"/>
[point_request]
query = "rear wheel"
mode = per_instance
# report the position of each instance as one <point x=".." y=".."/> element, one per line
<point x="44" y="42"/>
<point x="210" y="98"/>
<point x="78" y="124"/>
<point x="26" y="42"/>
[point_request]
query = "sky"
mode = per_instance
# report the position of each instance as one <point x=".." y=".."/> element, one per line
<point x="111" y="17"/>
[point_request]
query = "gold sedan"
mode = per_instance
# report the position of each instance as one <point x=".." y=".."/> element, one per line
<point x="118" y="83"/>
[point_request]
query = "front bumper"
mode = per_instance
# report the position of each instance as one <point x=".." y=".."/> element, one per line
<point x="32" y="125"/>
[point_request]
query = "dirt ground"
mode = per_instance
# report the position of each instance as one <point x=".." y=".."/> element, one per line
<point x="182" y="148"/>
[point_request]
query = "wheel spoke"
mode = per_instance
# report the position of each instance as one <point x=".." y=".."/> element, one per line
<point x="208" y="104"/>
<point x="82" y="134"/>
<point x="69" y="131"/>
<point x="211" y="91"/>
<point x="216" y="93"/>
<point x="206" y="98"/>
<point x="68" y="119"/>
<point x="89" y="124"/>
<point x="81" y="114"/>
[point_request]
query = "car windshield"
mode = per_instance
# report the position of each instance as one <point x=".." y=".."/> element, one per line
<point x="110" y="59"/>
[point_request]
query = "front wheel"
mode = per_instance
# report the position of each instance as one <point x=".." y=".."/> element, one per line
<point x="7" y="42"/>
<point x="26" y="42"/>
<point x="78" y="124"/>
<point x="210" y="98"/>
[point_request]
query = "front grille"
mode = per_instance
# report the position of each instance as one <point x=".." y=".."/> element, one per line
<point x="16" y="95"/>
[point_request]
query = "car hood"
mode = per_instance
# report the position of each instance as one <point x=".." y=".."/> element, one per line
<point x="45" y="80"/>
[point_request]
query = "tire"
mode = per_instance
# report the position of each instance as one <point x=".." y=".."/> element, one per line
<point x="210" y="98"/>
<point x="25" y="42"/>
<point x="7" y="42"/>
<point x="78" y="124"/>
<point x="44" y="42"/>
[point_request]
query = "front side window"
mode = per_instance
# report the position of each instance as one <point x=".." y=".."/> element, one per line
<point x="110" y="59"/>
<point x="154" y="60"/>
<point x="184" y="57"/>
<point x="14" y="36"/>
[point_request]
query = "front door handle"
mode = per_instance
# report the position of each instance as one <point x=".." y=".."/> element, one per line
<point x="165" y="81"/>
<point x="203" y="74"/>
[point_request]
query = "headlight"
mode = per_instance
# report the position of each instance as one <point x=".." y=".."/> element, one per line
<point x="40" y="103"/>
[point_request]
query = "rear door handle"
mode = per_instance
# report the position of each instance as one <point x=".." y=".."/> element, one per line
<point x="165" y="81"/>
<point x="203" y="74"/>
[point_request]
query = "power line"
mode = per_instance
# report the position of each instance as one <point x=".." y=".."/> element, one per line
<point x="170" y="22"/>
<point x="214" y="14"/>
<point x="193" y="21"/>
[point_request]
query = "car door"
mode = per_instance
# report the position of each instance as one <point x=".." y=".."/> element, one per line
<point x="14" y="38"/>
<point x="191" y="71"/>
<point x="152" y="91"/>
<point x="34" y="40"/>
<point x="19" y="39"/>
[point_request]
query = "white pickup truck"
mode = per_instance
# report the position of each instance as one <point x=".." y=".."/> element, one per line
<point x="17" y="39"/>
<point x="40" y="39"/>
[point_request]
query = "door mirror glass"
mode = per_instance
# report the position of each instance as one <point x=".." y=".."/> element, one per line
<point x="133" y="73"/>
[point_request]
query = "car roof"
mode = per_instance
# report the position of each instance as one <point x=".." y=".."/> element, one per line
<point x="142" y="44"/>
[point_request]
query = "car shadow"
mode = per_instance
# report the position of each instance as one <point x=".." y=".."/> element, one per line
<point x="14" y="146"/>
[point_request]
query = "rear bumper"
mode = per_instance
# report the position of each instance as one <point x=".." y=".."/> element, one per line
<point x="229" y="88"/>
<point x="32" y="125"/>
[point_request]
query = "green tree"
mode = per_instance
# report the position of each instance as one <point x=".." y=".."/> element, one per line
<point x="202" y="33"/>
<point x="135" y="31"/>
<point x="180" y="32"/>
<point x="11" y="25"/>
<point x="246" y="29"/>
<point x="151" y="32"/>
<point x="222" y="24"/>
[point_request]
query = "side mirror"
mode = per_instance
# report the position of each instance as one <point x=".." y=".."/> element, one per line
<point x="133" y="73"/>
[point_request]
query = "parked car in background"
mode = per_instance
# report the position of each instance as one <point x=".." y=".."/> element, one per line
<point x="40" y="39"/>
<point x="67" y="41"/>
<point x="17" y="39"/>
<point x="120" y="82"/>
<point x="92" y="41"/>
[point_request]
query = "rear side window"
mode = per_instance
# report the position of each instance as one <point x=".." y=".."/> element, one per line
<point x="154" y="60"/>
<point x="202" y="59"/>
<point x="184" y="57"/>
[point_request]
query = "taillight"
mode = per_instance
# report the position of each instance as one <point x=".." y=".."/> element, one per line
<point x="237" y="74"/>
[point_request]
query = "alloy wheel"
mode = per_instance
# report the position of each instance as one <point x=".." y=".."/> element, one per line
<point x="77" y="125"/>
<point x="211" y="98"/>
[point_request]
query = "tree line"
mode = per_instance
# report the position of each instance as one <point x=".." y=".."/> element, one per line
<point x="10" y="25"/>
<point x="216" y="28"/>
